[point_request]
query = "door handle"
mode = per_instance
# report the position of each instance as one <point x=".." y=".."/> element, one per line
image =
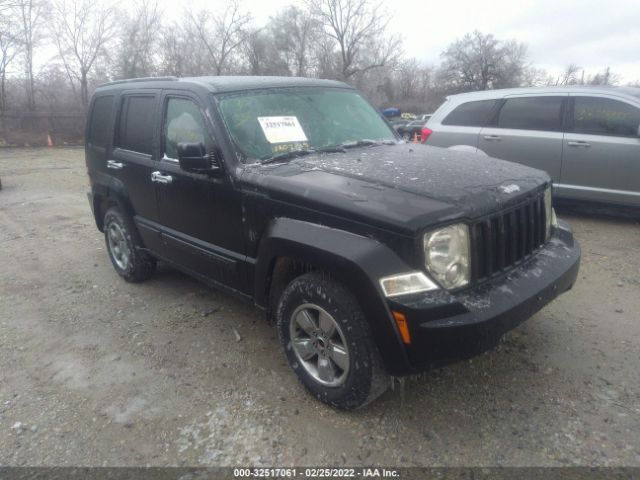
<point x="493" y="137"/>
<point x="578" y="143"/>
<point x="112" y="164"/>
<point x="160" y="178"/>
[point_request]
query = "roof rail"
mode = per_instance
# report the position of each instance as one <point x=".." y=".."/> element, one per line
<point x="143" y="79"/>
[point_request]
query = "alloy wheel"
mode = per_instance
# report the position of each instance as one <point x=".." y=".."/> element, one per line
<point x="118" y="245"/>
<point x="319" y="345"/>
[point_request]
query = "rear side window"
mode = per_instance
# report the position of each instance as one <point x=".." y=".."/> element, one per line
<point x="135" y="126"/>
<point x="532" y="113"/>
<point x="470" y="114"/>
<point x="101" y="118"/>
<point x="603" y="116"/>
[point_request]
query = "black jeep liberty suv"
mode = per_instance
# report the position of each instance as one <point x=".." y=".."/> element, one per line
<point x="373" y="256"/>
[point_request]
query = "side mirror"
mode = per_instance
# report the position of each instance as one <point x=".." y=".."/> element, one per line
<point x="193" y="157"/>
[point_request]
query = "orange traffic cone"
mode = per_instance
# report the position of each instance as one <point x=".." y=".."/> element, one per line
<point x="49" y="141"/>
<point x="415" y="137"/>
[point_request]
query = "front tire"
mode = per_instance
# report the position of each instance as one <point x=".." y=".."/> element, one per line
<point x="328" y="344"/>
<point x="125" y="249"/>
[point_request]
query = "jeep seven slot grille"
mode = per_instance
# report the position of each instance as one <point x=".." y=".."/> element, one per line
<point x="503" y="240"/>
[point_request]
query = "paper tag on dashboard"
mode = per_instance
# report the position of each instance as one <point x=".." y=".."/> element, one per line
<point x="282" y="129"/>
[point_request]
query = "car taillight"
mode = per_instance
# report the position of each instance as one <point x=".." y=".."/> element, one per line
<point x="425" y="133"/>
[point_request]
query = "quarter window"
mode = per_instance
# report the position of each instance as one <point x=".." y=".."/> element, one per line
<point x="532" y="113"/>
<point x="470" y="114"/>
<point x="135" y="126"/>
<point x="183" y="123"/>
<point x="603" y="116"/>
<point x="100" y="124"/>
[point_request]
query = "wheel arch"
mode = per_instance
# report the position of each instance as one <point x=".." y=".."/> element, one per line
<point x="292" y="247"/>
<point x="110" y="194"/>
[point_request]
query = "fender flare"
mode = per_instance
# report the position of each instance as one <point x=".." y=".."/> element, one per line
<point x="357" y="261"/>
<point x="108" y="188"/>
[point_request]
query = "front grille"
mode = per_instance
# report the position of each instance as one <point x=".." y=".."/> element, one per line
<point x="500" y="241"/>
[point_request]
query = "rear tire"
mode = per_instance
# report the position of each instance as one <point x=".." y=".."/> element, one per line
<point x="125" y="249"/>
<point x="328" y="343"/>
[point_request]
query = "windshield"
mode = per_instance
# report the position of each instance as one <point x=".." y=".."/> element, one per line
<point x="268" y="123"/>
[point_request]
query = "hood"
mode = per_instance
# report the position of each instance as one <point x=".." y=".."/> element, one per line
<point x="408" y="186"/>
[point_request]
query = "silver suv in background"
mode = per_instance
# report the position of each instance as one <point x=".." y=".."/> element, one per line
<point x="586" y="138"/>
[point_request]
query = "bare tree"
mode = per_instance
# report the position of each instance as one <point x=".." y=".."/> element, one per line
<point x="481" y="62"/>
<point x="81" y="29"/>
<point x="255" y="51"/>
<point x="31" y="15"/>
<point x="7" y="5"/>
<point x="221" y="35"/>
<point x="605" y="77"/>
<point x="261" y="57"/>
<point x="53" y="91"/>
<point x="327" y="59"/>
<point x="569" y="76"/>
<point x="536" y="77"/>
<point x="359" y="30"/>
<point x="138" y="41"/>
<point x="514" y="65"/>
<point x="173" y="53"/>
<point x="407" y="79"/>
<point x="294" y="32"/>
<point x="345" y="39"/>
<point x="9" y="48"/>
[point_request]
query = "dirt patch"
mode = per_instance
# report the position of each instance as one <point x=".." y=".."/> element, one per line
<point x="101" y="372"/>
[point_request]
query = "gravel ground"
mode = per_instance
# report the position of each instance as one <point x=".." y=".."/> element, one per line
<point x="95" y="371"/>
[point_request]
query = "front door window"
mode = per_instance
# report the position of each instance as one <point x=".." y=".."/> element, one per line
<point x="183" y="123"/>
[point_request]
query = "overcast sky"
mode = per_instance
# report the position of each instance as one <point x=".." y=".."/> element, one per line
<point x="590" y="33"/>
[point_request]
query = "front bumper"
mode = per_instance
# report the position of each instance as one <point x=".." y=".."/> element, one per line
<point x="445" y="326"/>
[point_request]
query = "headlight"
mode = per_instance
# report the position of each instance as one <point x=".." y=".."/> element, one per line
<point x="549" y="214"/>
<point x="446" y="254"/>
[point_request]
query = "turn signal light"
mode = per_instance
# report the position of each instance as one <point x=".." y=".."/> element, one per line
<point x="401" y="321"/>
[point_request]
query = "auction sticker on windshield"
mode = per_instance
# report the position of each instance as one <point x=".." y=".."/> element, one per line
<point x="282" y="129"/>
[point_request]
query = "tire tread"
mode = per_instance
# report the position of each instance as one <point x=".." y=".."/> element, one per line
<point x="362" y="390"/>
<point x="143" y="264"/>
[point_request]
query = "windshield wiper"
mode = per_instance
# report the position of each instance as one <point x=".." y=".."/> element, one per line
<point x="341" y="148"/>
<point x="286" y="156"/>
<point x="299" y="153"/>
<point x="365" y="142"/>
